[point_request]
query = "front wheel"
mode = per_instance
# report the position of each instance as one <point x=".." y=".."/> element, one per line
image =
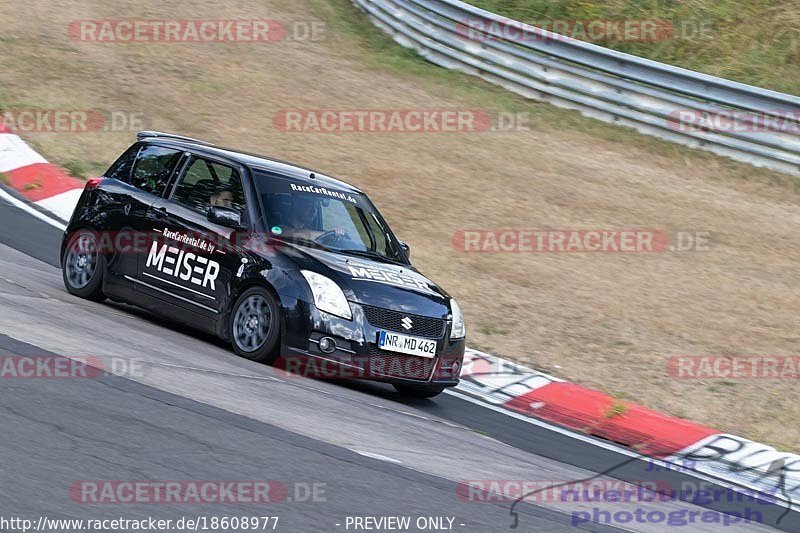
<point x="82" y="267"/>
<point x="255" y="325"/>
<point x="419" y="391"/>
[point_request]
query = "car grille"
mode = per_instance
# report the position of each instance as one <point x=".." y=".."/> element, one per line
<point x="383" y="363"/>
<point x="423" y="326"/>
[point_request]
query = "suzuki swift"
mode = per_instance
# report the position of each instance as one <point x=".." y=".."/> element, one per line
<point x="284" y="263"/>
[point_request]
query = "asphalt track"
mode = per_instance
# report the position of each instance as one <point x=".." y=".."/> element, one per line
<point x="191" y="410"/>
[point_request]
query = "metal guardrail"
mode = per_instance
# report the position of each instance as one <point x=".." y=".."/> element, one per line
<point x="760" y="126"/>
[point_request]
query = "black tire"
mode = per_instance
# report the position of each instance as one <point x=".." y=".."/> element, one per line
<point x="419" y="391"/>
<point x="254" y="326"/>
<point x="82" y="267"/>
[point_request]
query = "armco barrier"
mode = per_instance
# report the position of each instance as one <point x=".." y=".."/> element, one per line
<point x="599" y="82"/>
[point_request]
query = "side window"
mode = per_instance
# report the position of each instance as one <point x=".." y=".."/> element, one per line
<point x="153" y="168"/>
<point x="207" y="184"/>
<point x="121" y="169"/>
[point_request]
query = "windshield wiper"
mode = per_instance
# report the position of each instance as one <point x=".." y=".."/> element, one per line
<point x="371" y="255"/>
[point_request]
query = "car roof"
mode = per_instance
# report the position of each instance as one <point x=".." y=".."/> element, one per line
<point x="252" y="161"/>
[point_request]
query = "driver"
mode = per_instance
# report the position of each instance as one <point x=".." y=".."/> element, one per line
<point x="302" y="221"/>
<point x="304" y="210"/>
<point x="222" y="198"/>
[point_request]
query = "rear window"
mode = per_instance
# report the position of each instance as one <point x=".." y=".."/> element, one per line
<point x="122" y="168"/>
<point x="153" y="168"/>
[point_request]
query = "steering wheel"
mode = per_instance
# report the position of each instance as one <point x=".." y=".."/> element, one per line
<point x="328" y="237"/>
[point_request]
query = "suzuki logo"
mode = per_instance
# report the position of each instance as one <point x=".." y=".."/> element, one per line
<point x="407" y="323"/>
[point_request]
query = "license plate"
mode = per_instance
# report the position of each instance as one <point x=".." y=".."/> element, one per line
<point x="396" y="342"/>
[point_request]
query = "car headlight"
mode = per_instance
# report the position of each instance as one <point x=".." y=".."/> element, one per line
<point x="328" y="296"/>
<point x="459" y="330"/>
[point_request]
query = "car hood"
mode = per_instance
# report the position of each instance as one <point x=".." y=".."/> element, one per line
<point x="375" y="283"/>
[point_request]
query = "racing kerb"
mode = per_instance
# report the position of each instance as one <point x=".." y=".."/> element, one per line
<point x="599" y="82"/>
<point x="514" y="388"/>
<point x="38" y="181"/>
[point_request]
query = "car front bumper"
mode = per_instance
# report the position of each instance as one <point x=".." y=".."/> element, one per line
<point x="356" y="354"/>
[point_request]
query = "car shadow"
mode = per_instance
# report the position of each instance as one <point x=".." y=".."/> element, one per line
<point x="372" y="388"/>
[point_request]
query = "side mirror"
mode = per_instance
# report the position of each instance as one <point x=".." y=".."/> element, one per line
<point x="406" y="248"/>
<point x="225" y="216"/>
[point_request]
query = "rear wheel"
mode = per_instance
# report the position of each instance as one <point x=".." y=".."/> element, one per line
<point x="82" y="267"/>
<point x="255" y="325"/>
<point x="419" y="391"/>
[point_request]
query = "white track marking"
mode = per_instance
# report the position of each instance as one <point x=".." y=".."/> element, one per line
<point x="28" y="209"/>
<point x="15" y="153"/>
<point x="377" y="456"/>
<point x="62" y="204"/>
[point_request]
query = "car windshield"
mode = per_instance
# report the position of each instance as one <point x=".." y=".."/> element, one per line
<point x="325" y="217"/>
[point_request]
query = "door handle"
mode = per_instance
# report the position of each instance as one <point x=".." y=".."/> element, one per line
<point x="161" y="212"/>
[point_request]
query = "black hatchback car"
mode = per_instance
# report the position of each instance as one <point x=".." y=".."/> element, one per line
<point x="287" y="264"/>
